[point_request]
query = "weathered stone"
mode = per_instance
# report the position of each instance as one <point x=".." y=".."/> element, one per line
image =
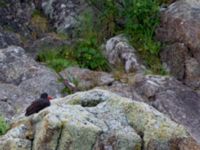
<point x="171" y="97"/>
<point x="8" y="38"/>
<point x="44" y="43"/>
<point x="113" y="122"/>
<point x="121" y="54"/>
<point x="87" y="79"/>
<point x="8" y="93"/>
<point x="192" y="73"/>
<point x="16" y="16"/>
<point x="173" y="58"/>
<point x="180" y="23"/>
<point x="22" y="80"/>
<point x="64" y="13"/>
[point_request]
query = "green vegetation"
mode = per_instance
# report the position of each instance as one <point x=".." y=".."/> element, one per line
<point x="56" y="58"/>
<point x="3" y="126"/>
<point x="83" y="55"/>
<point x="137" y="19"/>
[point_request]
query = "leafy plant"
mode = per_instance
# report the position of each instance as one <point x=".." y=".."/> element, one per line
<point x="56" y="58"/>
<point x="3" y="126"/>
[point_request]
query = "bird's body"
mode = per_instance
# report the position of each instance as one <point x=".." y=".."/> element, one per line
<point x="38" y="105"/>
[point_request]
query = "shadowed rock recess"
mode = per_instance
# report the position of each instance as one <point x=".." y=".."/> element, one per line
<point x="97" y="120"/>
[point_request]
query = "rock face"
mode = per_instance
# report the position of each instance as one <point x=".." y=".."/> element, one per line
<point x="22" y="80"/>
<point x="87" y="79"/>
<point x="8" y="38"/>
<point x="174" y="57"/>
<point x="16" y="15"/>
<point x="120" y="54"/>
<point x="63" y="12"/>
<point x="170" y="97"/>
<point x="180" y="29"/>
<point x="97" y="120"/>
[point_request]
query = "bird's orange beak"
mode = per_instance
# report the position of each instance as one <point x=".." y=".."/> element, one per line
<point x="50" y="98"/>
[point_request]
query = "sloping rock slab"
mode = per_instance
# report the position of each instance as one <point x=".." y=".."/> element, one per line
<point x="96" y="120"/>
<point x="87" y="79"/>
<point x="170" y="97"/>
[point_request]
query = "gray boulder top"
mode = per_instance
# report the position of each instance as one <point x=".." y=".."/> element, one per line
<point x="95" y="120"/>
<point x="22" y="80"/>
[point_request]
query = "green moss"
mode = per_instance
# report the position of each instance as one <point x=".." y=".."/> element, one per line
<point x="3" y="126"/>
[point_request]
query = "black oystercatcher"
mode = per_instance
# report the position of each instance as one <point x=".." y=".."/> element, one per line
<point x="39" y="104"/>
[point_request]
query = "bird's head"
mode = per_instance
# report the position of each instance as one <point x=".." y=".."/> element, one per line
<point x="45" y="96"/>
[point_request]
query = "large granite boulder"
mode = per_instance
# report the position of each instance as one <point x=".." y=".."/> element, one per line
<point x="95" y="120"/>
<point x="172" y="98"/>
<point x="22" y="80"/>
<point x="180" y="30"/>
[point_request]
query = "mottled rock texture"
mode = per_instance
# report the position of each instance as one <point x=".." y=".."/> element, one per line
<point x="95" y="120"/>
<point x="170" y="97"/>
<point x="180" y="30"/>
<point x="22" y="80"/>
<point x="122" y="55"/>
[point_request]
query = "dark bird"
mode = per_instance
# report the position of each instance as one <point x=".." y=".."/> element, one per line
<point x="39" y="104"/>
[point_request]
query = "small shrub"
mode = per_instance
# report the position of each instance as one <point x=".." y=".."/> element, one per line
<point x="88" y="55"/>
<point x="3" y="126"/>
<point x="56" y="58"/>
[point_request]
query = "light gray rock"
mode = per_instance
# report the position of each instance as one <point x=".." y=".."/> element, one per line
<point x="22" y="80"/>
<point x="121" y="54"/>
<point x="95" y="120"/>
